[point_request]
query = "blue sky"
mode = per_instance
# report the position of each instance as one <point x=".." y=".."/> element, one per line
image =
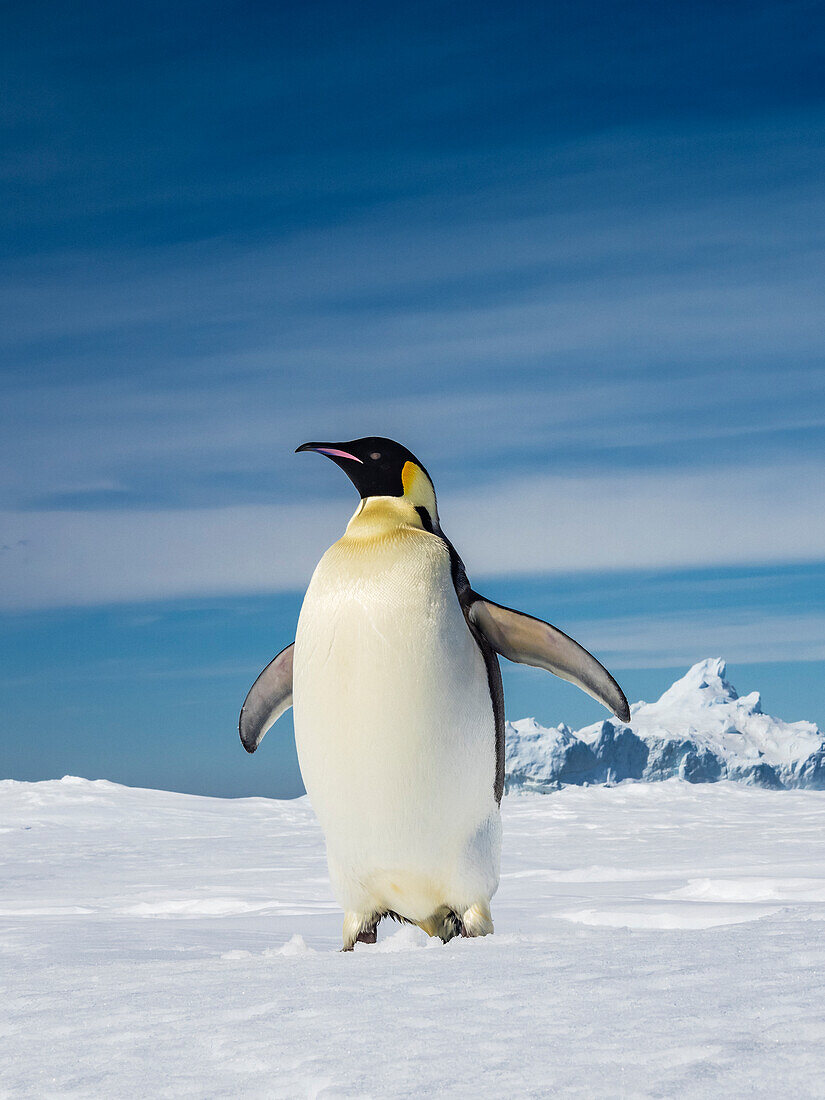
<point x="571" y="256"/>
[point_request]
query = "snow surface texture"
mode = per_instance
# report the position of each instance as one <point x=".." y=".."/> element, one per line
<point x="653" y="940"/>
<point x="699" y="730"/>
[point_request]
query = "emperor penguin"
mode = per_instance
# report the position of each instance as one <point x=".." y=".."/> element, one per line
<point x="398" y="705"/>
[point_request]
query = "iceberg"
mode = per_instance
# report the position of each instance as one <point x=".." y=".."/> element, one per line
<point x="699" y="730"/>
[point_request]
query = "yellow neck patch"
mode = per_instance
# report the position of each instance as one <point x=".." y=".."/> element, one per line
<point x="409" y="475"/>
<point x="418" y="489"/>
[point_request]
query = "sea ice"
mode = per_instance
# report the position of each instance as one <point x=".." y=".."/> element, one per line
<point x="652" y="939"/>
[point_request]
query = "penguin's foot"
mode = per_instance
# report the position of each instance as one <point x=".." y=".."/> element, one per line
<point x="359" y="928"/>
<point x="368" y="935"/>
<point x="440" y="924"/>
<point x="477" y="921"/>
<point x="444" y="923"/>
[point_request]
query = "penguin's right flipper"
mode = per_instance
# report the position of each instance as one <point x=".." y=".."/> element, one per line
<point x="268" y="698"/>
<point x="529" y="641"/>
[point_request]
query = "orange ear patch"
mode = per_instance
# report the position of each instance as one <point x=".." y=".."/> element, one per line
<point x="409" y="476"/>
<point x="418" y="489"/>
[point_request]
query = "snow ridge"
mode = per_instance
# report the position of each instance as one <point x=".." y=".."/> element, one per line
<point x="699" y="730"/>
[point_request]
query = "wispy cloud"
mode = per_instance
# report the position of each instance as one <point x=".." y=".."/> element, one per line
<point x="543" y="524"/>
<point x="120" y="446"/>
<point x="746" y="636"/>
<point x="573" y="317"/>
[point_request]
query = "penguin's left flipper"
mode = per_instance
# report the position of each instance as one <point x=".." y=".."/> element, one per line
<point x="529" y="641"/>
<point x="268" y="698"/>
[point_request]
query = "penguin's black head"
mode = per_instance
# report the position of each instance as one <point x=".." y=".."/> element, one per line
<point x="374" y="465"/>
<point x="380" y="467"/>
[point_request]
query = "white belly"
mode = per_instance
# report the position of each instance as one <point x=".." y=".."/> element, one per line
<point x="394" y="728"/>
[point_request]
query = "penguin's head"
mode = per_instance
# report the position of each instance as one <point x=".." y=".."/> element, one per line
<point x="380" y="467"/>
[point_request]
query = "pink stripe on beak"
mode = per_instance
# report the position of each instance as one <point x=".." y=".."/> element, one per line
<point x="335" y="453"/>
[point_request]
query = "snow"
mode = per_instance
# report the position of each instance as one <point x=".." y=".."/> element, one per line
<point x="699" y="730"/>
<point x="653" y="939"/>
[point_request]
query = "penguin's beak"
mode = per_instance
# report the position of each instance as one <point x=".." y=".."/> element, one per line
<point x="332" y="450"/>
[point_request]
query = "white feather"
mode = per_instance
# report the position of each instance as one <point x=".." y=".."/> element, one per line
<point x="394" y="723"/>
